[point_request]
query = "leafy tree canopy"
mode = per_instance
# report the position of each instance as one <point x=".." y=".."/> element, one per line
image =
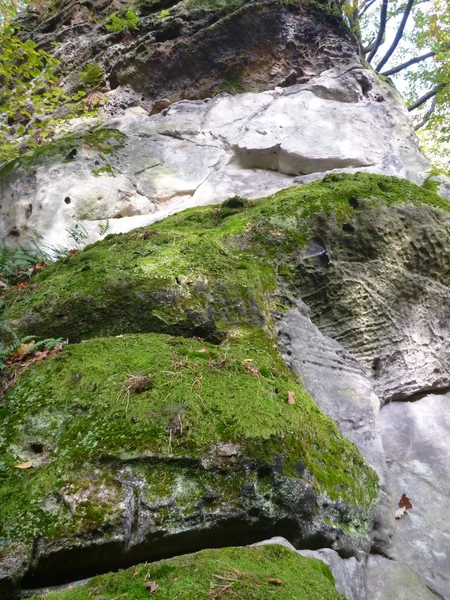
<point x="409" y="41"/>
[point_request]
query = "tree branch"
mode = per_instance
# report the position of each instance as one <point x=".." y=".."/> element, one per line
<point x="408" y="63"/>
<point x="381" y="30"/>
<point x="427" y="116"/>
<point x="398" y="36"/>
<point x="430" y="94"/>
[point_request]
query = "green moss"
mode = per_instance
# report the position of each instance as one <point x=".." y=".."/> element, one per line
<point x="249" y="573"/>
<point x="102" y="140"/>
<point x="198" y="272"/>
<point x="78" y="407"/>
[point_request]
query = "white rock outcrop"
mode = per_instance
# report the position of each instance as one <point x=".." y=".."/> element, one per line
<point x="202" y="152"/>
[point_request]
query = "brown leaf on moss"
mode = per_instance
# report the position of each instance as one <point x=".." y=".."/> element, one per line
<point x="25" y="465"/>
<point x="152" y="587"/>
<point x="274" y="581"/>
<point x="291" y="397"/>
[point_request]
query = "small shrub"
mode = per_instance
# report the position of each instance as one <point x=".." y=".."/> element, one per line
<point x="91" y="75"/>
<point x="117" y="24"/>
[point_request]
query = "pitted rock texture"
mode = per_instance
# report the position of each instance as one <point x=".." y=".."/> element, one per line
<point x="416" y="441"/>
<point x="383" y="294"/>
<point x="137" y="169"/>
<point x="195" y="49"/>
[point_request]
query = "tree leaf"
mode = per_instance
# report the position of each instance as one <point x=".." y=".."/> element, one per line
<point x="291" y="398"/>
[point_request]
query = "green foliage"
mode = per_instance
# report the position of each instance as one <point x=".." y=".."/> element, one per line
<point x="92" y="75"/>
<point x="6" y="350"/>
<point x="116" y="24"/>
<point x="17" y="262"/>
<point x="30" y="94"/>
<point x="163" y="14"/>
<point x="247" y="572"/>
<point x="427" y="35"/>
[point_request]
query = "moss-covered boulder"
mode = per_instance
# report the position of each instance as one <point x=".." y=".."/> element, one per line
<point x="262" y="573"/>
<point x="141" y="444"/>
<point x="207" y="269"/>
<point x="149" y="445"/>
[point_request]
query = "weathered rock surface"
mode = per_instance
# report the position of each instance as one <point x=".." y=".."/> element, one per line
<point x="227" y="273"/>
<point x="193" y="50"/>
<point x="344" y="392"/>
<point x="138" y="169"/>
<point x="387" y="579"/>
<point x="415" y="437"/>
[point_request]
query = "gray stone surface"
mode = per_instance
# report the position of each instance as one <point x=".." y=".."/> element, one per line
<point x="416" y="440"/>
<point x="201" y="152"/>
<point x="390" y="580"/>
<point x="348" y="573"/>
<point x="384" y="295"/>
<point x="342" y="390"/>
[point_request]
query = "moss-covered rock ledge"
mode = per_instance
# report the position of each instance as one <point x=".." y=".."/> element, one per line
<point x="144" y="444"/>
<point x="265" y="573"/>
<point x="201" y="271"/>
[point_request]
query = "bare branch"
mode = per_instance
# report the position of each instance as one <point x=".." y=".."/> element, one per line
<point x="408" y="63"/>
<point x="427" y="116"/>
<point x="366" y="7"/>
<point x="381" y="30"/>
<point x="430" y="94"/>
<point x="398" y="36"/>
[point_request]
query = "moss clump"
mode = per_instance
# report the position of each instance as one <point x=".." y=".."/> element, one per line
<point x="198" y="272"/>
<point x="65" y="148"/>
<point x="79" y="410"/>
<point x="261" y="573"/>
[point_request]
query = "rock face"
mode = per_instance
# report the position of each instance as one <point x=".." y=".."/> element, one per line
<point x="190" y="49"/>
<point x="245" y="449"/>
<point x="415" y="438"/>
<point x="263" y="367"/>
<point x="136" y="169"/>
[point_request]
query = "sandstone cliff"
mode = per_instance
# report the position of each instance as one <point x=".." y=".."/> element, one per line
<point x="257" y="326"/>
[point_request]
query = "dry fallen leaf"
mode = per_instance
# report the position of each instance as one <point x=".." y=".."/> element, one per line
<point x="274" y="581"/>
<point x="23" y="349"/>
<point x="152" y="587"/>
<point x="403" y="505"/>
<point x="405" y="502"/>
<point x="25" y="465"/>
<point x="291" y="398"/>
<point x="399" y="512"/>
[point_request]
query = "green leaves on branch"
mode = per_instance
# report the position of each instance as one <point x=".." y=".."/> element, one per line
<point x="117" y="24"/>
<point x="30" y="97"/>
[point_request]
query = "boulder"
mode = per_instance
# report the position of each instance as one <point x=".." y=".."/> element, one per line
<point x="132" y="169"/>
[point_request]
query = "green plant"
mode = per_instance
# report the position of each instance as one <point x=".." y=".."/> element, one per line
<point x="163" y="14"/>
<point x="117" y="24"/>
<point x="24" y="347"/>
<point x="91" y="75"/>
<point x="29" y="91"/>
<point x="17" y="263"/>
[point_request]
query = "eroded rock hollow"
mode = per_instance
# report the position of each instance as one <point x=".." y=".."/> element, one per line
<point x="257" y="319"/>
